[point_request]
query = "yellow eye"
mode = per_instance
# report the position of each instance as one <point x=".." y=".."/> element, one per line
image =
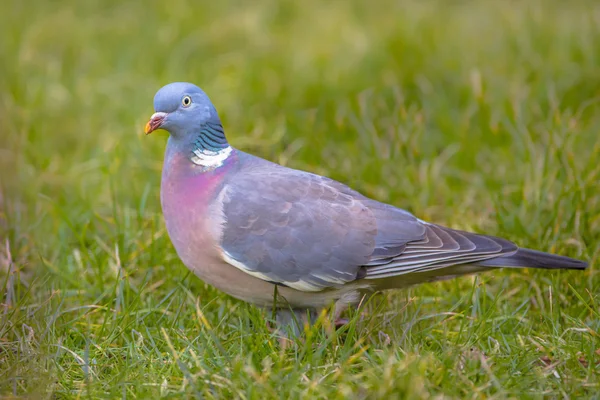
<point x="186" y="101"/>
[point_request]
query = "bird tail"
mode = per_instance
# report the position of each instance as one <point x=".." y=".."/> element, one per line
<point x="526" y="258"/>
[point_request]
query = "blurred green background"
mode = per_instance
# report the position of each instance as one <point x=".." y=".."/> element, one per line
<point x="478" y="115"/>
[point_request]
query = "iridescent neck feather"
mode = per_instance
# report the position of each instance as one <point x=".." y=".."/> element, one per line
<point x="210" y="147"/>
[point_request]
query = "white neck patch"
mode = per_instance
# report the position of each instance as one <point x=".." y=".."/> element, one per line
<point x="211" y="159"/>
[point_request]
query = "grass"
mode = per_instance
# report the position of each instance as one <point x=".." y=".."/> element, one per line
<point x="482" y="116"/>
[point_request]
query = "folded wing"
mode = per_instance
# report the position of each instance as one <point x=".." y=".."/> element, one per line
<point x="295" y="229"/>
<point x="310" y="233"/>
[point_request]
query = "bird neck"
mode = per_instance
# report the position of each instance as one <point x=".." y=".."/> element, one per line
<point x="206" y="147"/>
<point x="209" y="147"/>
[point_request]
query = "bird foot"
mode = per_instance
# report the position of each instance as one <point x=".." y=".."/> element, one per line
<point x="340" y="322"/>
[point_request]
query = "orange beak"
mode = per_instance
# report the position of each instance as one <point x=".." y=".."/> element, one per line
<point x="155" y="122"/>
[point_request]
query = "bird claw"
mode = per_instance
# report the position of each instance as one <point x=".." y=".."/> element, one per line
<point x="341" y="322"/>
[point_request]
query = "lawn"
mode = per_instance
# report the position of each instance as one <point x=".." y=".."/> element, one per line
<point x="481" y="116"/>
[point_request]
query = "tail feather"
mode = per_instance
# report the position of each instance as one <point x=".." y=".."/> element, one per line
<point x="526" y="258"/>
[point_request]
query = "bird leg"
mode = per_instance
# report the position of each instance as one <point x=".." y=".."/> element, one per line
<point x="293" y="320"/>
<point x="338" y="309"/>
<point x="290" y="322"/>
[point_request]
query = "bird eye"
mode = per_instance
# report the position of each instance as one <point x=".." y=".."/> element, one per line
<point x="186" y="101"/>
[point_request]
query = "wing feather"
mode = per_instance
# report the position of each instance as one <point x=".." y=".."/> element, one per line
<point x="295" y="228"/>
<point x="452" y="247"/>
<point x="310" y="233"/>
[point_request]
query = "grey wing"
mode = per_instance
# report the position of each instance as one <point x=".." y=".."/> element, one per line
<point x="296" y="229"/>
<point x="310" y="233"/>
<point x="439" y="248"/>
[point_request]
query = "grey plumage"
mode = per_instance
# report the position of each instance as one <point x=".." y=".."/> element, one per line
<point x="311" y="233"/>
<point x="295" y="228"/>
<point x="244" y="224"/>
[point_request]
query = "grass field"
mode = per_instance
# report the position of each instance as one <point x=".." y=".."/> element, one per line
<point x="481" y="116"/>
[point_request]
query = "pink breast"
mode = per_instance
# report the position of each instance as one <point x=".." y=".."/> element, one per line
<point x="186" y="196"/>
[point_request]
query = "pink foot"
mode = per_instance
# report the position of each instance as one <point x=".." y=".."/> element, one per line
<point x="341" y="322"/>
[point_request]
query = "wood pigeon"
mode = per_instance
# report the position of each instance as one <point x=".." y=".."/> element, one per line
<point x="248" y="226"/>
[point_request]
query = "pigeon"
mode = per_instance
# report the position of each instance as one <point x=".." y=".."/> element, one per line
<point x="293" y="241"/>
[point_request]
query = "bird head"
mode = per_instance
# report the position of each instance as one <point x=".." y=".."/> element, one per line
<point x="181" y="109"/>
